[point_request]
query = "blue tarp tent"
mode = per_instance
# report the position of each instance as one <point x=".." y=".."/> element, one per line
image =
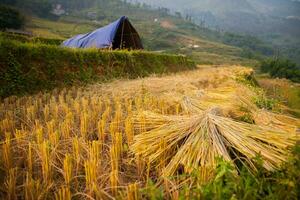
<point x="117" y="35"/>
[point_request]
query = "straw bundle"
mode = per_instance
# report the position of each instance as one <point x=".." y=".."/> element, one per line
<point x="235" y="102"/>
<point x="194" y="141"/>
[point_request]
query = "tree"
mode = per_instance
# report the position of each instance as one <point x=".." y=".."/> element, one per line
<point x="178" y="14"/>
<point x="281" y="68"/>
<point x="9" y="2"/>
<point x="41" y="8"/>
<point x="10" y="18"/>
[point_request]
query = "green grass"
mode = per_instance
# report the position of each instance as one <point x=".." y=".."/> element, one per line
<point x="57" y="29"/>
<point x="29" y="39"/>
<point x="218" y="59"/>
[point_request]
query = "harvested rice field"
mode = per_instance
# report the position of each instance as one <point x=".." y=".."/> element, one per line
<point x="191" y="135"/>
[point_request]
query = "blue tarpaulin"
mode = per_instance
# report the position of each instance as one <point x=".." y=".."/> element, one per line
<point x="101" y="38"/>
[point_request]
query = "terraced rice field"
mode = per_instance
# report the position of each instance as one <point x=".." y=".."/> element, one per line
<point x="108" y="141"/>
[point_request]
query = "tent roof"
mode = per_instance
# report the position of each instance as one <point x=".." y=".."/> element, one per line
<point x="100" y="38"/>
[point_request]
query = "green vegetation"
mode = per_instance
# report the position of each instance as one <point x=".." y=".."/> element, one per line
<point x="10" y="18"/>
<point x="283" y="91"/>
<point x="169" y="33"/>
<point x="172" y="34"/>
<point x="29" y="67"/>
<point x="154" y="36"/>
<point x="274" y="22"/>
<point x="40" y="8"/>
<point x="22" y="38"/>
<point x="281" y="68"/>
<point x="281" y="184"/>
<point x="263" y="102"/>
<point x="58" y="29"/>
<point x="252" y="46"/>
<point x="230" y="184"/>
<point x="261" y="99"/>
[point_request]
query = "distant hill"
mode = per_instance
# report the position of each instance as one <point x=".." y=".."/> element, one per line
<point x="262" y="15"/>
<point x="215" y="6"/>
<point x="274" y="21"/>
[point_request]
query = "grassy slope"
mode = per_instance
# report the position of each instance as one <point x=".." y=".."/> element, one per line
<point x="169" y="34"/>
<point x="284" y="91"/>
<point x="57" y="29"/>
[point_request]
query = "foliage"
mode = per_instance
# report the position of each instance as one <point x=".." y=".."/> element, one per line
<point x="280" y="184"/>
<point x="41" y="66"/>
<point x="249" y="43"/>
<point x="37" y="7"/>
<point x="10" y="18"/>
<point x="8" y="2"/>
<point x="260" y="100"/>
<point x="43" y="7"/>
<point x="281" y="68"/>
<point x="248" y="80"/>
<point x="78" y="4"/>
<point x="13" y="76"/>
<point x="263" y="102"/>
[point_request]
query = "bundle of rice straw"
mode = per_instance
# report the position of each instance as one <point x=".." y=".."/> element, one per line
<point x="235" y="102"/>
<point x="194" y="141"/>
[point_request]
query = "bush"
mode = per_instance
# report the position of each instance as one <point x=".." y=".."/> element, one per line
<point x="281" y="68"/>
<point x="29" y="67"/>
<point x="249" y="43"/>
<point x="10" y="18"/>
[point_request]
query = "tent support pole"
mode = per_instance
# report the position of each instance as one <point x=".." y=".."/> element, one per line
<point x="133" y="39"/>
<point x="121" y="44"/>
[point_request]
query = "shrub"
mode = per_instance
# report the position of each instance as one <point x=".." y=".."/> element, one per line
<point x="10" y="18"/>
<point x="281" y="68"/>
<point x="41" y="66"/>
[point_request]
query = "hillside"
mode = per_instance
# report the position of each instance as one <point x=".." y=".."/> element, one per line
<point x="216" y="6"/>
<point x="159" y="31"/>
<point x="155" y="36"/>
<point x="276" y="22"/>
<point x="250" y="12"/>
<point x="274" y="29"/>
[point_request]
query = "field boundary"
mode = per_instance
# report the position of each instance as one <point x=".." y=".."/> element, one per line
<point x="28" y="68"/>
